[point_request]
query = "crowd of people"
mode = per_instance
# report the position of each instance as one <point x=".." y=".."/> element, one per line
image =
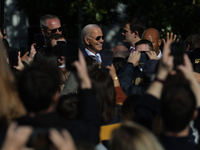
<point x="142" y="97"/>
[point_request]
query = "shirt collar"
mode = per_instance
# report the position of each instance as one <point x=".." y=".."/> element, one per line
<point x="131" y="47"/>
<point x="160" y="54"/>
<point x="92" y="54"/>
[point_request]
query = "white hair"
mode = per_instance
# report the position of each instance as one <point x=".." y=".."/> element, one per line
<point x="86" y="31"/>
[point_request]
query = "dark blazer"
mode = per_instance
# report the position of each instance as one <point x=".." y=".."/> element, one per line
<point x="85" y="53"/>
<point x="195" y="54"/>
<point x="132" y="79"/>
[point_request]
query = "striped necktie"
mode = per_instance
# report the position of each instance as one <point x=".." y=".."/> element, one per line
<point x="132" y="49"/>
<point x="97" y="58"/>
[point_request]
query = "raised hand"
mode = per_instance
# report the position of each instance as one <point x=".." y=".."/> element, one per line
<point x="20" y="65"/>
<point x="152" y="55"/>
<point x="171" y="36"/>
<point x="16" y="137"/>
<point x="63" y="140"/>
<point x="134" y="58"/>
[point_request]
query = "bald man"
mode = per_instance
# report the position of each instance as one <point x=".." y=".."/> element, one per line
<point x="120" y="51"/>
<point x="153" y="36"/>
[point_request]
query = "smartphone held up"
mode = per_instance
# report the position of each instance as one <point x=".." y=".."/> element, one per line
<point x="177" y="50"/>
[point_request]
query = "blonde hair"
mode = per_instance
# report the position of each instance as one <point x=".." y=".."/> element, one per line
<point x="10" y="105"/>
<point x="131" y="136"/>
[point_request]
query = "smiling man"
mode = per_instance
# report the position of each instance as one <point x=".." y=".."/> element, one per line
<point x="132" y="31"/>
<point x="93" y="39"/>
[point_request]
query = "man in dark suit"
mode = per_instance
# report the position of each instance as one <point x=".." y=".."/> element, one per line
<point x="133" y="73"/>
<point x="93" y="39"/>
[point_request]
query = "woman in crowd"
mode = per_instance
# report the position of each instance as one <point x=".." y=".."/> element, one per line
<point x="10" y="104"/>
<point x="131" y="136"/>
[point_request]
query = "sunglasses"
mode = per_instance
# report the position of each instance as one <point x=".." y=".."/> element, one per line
<point x="55" y="30"/>
<point x="98" y="38"/>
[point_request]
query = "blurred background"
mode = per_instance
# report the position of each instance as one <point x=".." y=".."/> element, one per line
<point x="22" y="17"/>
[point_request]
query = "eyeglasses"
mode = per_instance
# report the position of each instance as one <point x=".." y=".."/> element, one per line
<point x="55" y="30"/>
<point x="98" y="37"/>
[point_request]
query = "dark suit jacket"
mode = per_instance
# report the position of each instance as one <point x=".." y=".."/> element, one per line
<point x="85" y="53"/>
<point x="132" y="79"/>
<point x="195" y="54"/>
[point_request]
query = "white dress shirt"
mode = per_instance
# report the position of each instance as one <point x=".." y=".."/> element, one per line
<point x="92" y="54"/>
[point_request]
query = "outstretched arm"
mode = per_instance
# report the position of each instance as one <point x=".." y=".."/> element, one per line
<point x="126" y="75"/>
<point x="165" y="67"/>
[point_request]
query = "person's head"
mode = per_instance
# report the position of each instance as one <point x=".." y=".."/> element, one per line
<point x="153" y="36"/>
<point x="132" y="31"/>
<point x="177" y="107"/>
<point x="39" y="84"/>
<point x="103" y="86"/>
<point x="143" y="45"/>
<point x="129" y="107"/>
<point x="192" y="42"/>
<point x="50" y="24"/>
<point x="118" y="63"/>
<point x="68" y="106"/>
<point x="131" y="136"/>
<point x="92" y="64"/>
<point x="120" y="51"/>
<point x="92" y="37"/>
<point x="52" y="40"/>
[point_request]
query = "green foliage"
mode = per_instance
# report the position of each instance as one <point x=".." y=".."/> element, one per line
<point x="88" y="11"/>
<point x="180" y="16"/>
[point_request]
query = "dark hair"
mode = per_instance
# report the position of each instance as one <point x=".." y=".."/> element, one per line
<point x="136" y="25"/>
<point x="67" y="106"/>
<point x="193" y="41"/>
<point x="143" y="41"/>
<point x="105" y="93"/>
<point x="38" y="83"/>
<point x="53" y="37"/>
<point x="92" y="64"/>
<point x="129" y="106"/>
<point x="118" y="62"/>
<point x="177" y="106"/>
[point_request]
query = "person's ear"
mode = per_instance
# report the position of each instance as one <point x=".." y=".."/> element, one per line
<point x="195" y="115"/>
<point x="136" y="34"/>
<point x="86" y="39"/>
<point x="159" y="42"/>
<point x="55" y="98"/>
<point x="43" y="31"/>
<point x="188" y="47"/>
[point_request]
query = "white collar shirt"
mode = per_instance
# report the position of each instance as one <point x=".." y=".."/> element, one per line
<point x="92" y="54"/>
